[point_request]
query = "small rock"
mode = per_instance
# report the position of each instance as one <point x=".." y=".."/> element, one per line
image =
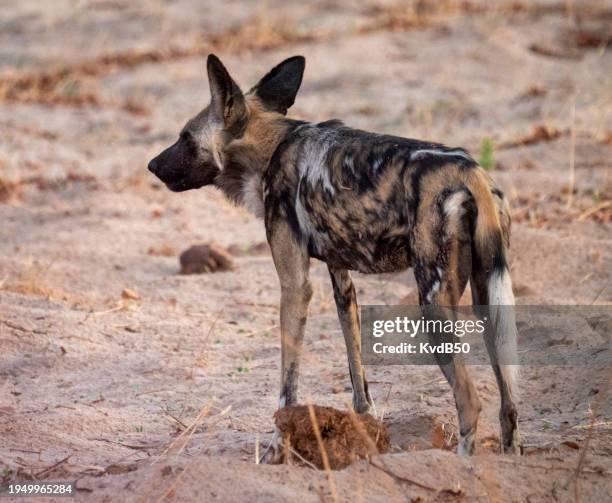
<point x="205" y="258"/>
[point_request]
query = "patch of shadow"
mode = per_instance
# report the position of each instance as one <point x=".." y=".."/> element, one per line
<point x="602" y="325"/>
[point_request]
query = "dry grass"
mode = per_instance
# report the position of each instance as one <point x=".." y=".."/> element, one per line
<point x="76" y="84"/>
<point x="162" y="250"/>
<point x="10" y="191"/>
<point x="549" y="211"/>
<point x="32" y="279"/>
<point x="539" y="133"/>
<point x="329" y="438"/>
<point x="400" y="17"/>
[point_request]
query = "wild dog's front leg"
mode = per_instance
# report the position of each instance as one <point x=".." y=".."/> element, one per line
<point x="346" y="303"/>
<point x="292" y="263"/>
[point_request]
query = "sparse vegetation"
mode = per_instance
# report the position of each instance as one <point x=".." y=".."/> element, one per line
<point x="32" y="279"/>
<point x="486" y="154"/>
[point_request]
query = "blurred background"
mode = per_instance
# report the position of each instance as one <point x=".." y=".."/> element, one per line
<point x="97" y="326"/>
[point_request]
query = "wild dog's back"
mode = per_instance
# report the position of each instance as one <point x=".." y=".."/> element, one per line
<point x="353" y="197"/>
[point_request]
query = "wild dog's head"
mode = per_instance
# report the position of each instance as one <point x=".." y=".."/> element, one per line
<point x="198" y="156"/>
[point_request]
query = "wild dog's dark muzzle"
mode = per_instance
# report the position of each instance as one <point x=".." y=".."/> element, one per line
<point x="180" y="167"/>
<point x="171" y="165"/>
<point x="154" y="166"/>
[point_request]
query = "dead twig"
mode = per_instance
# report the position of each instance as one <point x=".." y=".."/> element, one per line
<point x="401" y="477"/>
<point x="330" y="476"/>
<point x="600" y="292"/>
<point x="206" y="340"/>
<point x="301" y="458"/>
<point x="128" y="446"/>
<point x="176" y="419"/>
<point x="14" y="326"/>
<point x="555" y="52"/>
<point x="185" y="435"/>
<point x="585" y="446"/>
<point x="119" y="307"/>
<point x="55" y="465"/>
<point x="594" y="209"/>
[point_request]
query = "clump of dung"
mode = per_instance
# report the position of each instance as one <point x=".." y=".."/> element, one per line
<point x="345" y="436"/>
<point x="205" y="258"/>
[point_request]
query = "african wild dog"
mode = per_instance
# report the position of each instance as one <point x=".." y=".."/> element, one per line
<point x="357" y="201"/>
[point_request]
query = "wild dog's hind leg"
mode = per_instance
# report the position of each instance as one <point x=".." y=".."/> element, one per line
<point x="292" y="264"/>
<point x="346" y="304"/>
<point x="437" y="289"/>
<point x="508" y="415"/>
<point x="442" y="268"/>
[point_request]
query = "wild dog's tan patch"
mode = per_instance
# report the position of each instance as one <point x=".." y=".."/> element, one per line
<point x="488" y="221"/>
<point x="245" y="159"/>
<point x="433" y="184"/>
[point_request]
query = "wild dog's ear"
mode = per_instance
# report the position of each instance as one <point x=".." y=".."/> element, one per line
<point x="227" y="101"/>
<point x="278" y="88"/>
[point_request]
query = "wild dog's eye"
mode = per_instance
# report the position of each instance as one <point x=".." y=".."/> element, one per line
<point x="189" y="141"/>
<point x="186" y="135"/>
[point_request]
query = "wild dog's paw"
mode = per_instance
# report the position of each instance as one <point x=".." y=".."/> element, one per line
<point x="513" y="445"/>
<point x="364" y="404"/>
<point x="466" y="444"/>
<point x="274" y="453"/>
<point x="362" y="407"/>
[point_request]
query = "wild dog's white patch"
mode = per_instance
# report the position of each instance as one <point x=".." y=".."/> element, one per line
<point x="301" y="213"/>
<point x="433" y="291"/>
<point x="435" y="288"/>
<point x="207" y="133"/>
<point x="450" y="153"/>
<point x="453" y="206"/>
<point x="377" y="164"/>
<point x="312" y="169"/>
<point x="252" y="194"/>
<point x="349" y="164"/>
<point x="313" y="166"/>
<point x="501" y="306"/>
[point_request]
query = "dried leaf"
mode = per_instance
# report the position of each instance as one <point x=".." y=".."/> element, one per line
<point x="571" y="444"/>
<point x="129" y="294"/>
<point x="438" y="438"/>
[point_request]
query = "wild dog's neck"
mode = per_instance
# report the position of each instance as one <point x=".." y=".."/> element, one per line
<point x="246" y="159"/>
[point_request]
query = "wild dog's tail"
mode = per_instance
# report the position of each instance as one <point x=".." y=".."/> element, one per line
<point x="491" y="278"/>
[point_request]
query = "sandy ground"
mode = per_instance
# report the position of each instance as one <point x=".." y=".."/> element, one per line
<point x="143" y="384"/>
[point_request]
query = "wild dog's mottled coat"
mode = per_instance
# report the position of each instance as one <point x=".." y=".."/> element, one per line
<point x="357" y="201"/>
<point x="353" y="197"/>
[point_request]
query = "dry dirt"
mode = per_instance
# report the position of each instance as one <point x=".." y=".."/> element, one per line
<point x="145" y="384"/>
